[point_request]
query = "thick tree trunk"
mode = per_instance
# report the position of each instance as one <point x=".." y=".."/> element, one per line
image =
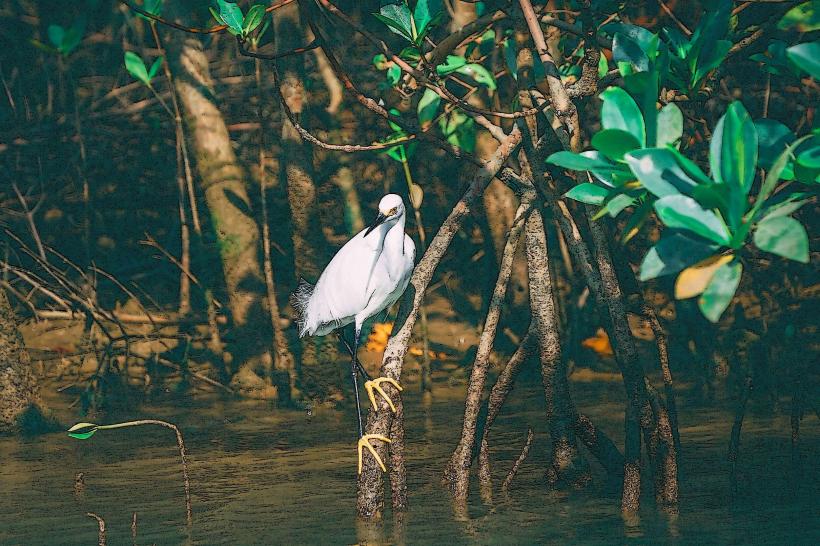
<point x="567" y="464"/>
<point x="19" y="393"/>
<point x="223" y="183"/>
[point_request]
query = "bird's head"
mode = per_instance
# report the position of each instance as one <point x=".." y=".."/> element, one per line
<point x="391" y="208"/>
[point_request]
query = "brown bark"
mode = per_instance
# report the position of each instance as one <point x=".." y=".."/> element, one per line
<point x="296" y="160"/>
<point x="19" y="392"/>
<point x="370" y="497"/>
<point x="457" y="473"/>
<point x="224" y="184"/>
<point x="567" y="463"/>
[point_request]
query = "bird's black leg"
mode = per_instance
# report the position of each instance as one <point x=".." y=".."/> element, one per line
<point x="355" y="356"/>
<point x="354" y="373"/>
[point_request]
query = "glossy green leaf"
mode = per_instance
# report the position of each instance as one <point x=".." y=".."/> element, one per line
<point x="425" y="12"/>
<point x="136" y="67"/>
<point x="393" y="74"/>
<point x="733" y="156"/>
<point x="674" y="252"/>
<point x="627" y="51"/>
<point x="718" y="295"/>
<point x="459" y="129"/>
<point x="802" y="18"/>
<point x="577" y="162"/>
<point x="397" y="18"/>
<point x="253" y="18"/>
<point x="154" y="7"/>
<point x="670" y="126"/>
<point x="588" y="193"/>
<point x="678" y="43"/>
<point x="659" y="172"/>
<point x="807" y="57"/>
<point x="56" y="33"/>
<point x="451" y="64"/>
<point x="772" y="139"/>
<point x="481" y="75"/>
<point x="615" y="204"/>
<point x="690" y="167"/>
<point x="231" y="15"/>
<point x="683" y="212"/>
<point x="772" y="178"/>
<point x="807" y="163"/>
<point x="706" y="65"/>
<point x="154" y="68"/>
<point x="619" y="111"/>
<point x="614" y="143"/>
<point x="603" y="66"/>
<point x="784" y="236"/>
<point x="427" y="107"/>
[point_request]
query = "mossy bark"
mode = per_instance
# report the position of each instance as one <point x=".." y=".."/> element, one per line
<point x="223" y="183"/>
<point x="19" y="392"/>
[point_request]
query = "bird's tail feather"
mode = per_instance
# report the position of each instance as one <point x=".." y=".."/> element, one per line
<point x="299" y="300"/>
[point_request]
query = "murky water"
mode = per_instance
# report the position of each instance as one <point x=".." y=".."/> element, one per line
<point x="270" y="477"/>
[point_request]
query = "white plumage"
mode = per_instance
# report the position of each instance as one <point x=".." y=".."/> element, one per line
<point x="368" y="274"/>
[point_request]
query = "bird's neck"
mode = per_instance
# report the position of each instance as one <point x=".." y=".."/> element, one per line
<point x="394" y="238"/>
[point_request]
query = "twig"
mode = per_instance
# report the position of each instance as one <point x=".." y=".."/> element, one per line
<point x="519" y="461"/>
<point x="101" y="525"/>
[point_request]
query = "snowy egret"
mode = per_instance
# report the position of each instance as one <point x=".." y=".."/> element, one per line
<point x="368" y="274"/>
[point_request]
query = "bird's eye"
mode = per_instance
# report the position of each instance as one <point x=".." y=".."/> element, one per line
<point x="392" y="211"/>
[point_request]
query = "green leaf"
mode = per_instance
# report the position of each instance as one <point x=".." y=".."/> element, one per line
<point x="425" y="12"/>
<point x="678" y="43"/>
<point x="459" y="129"/>
<point x="427" y="107"/>
<point x="56" y="33"/>
<point x="136" y="67"/>
<point x="807" y="57"/>
<point x="619" y="111"/>
<point x="231" y="15"/>
<point x="772" y="138"/>
<point x="784" y="236"/>
<point x="802" y="18"/>
<point x="397" y="18"/>
<point x="154" y="7"/>
<point x="588" y="193"/>
<point x="807" y="164"/>
<point x="154" y="68"/>
<point x="253" y="18"/>
<point x="773" y="177"/>
<point x="674" y="252"/>
<point x="450" y="65"/>
<point x="683" y="212"/>
<point x="690" y="167"/>
<point x="614" y="143"/>
<point x="733" y="156"/>
<point x="636" y="220"/>
<point x="670" y="126"/>
<point x="481" y="75"/>
<point x="577" y="162"/>
<point x="659" y="172"/>
<point x="603" y="66"/>
<point x="718" y="295"/>
<point x="615" y="204"/>
<point x="393" y="74"/>
<point x="706" y="65"/>
<point x="628" y="51"/>
<point x="83" y="431"/>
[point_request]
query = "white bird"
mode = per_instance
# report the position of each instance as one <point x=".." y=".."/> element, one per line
<point x="368" y="274"/>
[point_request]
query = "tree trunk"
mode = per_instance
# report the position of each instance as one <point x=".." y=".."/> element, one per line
<point x="567" y="464"/>
<point x="224" y="185"/>
<point x="19" y="392"/>
<point x="296" y="171"/>
<point x="457" y="473"/>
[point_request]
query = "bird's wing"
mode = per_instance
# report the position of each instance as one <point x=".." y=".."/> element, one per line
<point x="342" y="289"/>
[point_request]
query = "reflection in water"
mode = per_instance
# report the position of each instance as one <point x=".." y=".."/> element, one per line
<point x="267" y="477"/>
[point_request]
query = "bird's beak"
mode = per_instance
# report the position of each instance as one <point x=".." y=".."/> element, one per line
<point x="376" y="223"/>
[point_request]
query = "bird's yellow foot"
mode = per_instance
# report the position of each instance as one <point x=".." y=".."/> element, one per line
<point x="375" y="384"/>
<point x="364" y="441"/>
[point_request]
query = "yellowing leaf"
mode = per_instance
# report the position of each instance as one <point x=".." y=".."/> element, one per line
<point x="599" y="343"/>
<point x="693" y="280"/>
